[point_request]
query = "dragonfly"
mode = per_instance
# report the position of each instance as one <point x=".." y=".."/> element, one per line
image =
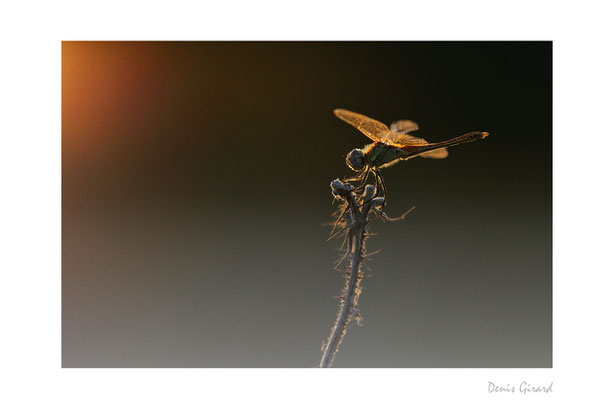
<point x="392" y="145"/>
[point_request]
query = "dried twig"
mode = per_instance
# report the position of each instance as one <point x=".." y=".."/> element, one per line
<point x="355" y="215"/>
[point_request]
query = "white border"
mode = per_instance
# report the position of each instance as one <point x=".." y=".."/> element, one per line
<point x="31" y="181"/>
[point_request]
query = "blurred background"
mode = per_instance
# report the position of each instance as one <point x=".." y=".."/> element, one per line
<point x="196" y="182"/>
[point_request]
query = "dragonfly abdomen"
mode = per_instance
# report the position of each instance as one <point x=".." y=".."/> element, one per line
<point x="408" y="151"/>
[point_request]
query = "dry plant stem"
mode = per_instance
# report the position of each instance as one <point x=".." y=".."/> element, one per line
<point x="357" y="221"/>
<point x="355" y="213"/>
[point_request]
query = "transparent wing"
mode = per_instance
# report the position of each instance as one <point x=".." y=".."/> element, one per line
<point x="440" y="153"/>
<point x="404" y="126"/>
<point x="401" y="139"/>
<point x="375" y="130"/>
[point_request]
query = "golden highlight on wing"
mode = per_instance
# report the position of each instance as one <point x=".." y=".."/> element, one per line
<point x="401" y="139"/>
<point x="404" y="126"/>
<point x="375" y="130"/>
<point x="440" y="153"/>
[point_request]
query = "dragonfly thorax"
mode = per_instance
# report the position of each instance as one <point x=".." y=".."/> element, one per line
<point x="379" y="154"/>
<point x="374" y="155"/>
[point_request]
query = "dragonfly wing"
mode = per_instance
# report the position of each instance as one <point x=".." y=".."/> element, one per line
<point x="404" y="126"/>
<point x="401" y="139"/>
<point x="375" y="130"/>
<point x="409" y="140"/>
<point x="440" y="153"/>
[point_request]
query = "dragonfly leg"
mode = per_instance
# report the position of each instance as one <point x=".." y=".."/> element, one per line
<point x="378" y="188"/>
<point x="363" y="181"/>
<point x="359" y="177"/>
<point x="362" y="178"/>
<point x="380" y="183"/>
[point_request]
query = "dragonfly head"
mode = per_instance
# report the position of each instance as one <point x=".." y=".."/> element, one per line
<point x="356" y="160"/>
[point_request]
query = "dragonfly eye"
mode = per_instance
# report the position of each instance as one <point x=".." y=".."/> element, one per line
<point x="356" y="160"/>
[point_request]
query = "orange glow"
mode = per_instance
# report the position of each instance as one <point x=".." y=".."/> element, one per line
<point x="107" y="86"/>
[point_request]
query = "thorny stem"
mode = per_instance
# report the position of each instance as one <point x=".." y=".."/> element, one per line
<point x="356" y="219"/>
<point x="352" y="289"/>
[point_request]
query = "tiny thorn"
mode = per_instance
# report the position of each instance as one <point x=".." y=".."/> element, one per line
<point x="382" y="215"/>
<point x="337" y="233"/>
<point x="373" y="253"/>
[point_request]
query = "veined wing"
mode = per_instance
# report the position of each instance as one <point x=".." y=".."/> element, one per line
<point x="440" y="153"/>
<point x="401" y="140"/>
<point x="404" y="126"/>
<point x="375" y="130"/>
